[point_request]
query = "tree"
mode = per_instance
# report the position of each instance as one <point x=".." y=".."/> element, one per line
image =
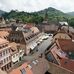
<point x="71" y="22"/>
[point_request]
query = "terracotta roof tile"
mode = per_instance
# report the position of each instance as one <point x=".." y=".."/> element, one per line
<point x="3" y="34"/>
<point x="3" y="41"/>
<point x="34" y="29"/>
<point x="18" y="70"/>
<point x="59" y="31"/>
<point x="68" y="64"/>
<point x="39" y="66"/>
<point x="13" y="47"/>
<point x="66" y="45"/>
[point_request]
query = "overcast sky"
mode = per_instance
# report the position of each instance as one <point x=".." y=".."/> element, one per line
<point x="36" y="5"/>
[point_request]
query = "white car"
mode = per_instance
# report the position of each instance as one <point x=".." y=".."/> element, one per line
<point x="41" y="40"/>
<point x="38" y="43"/>
<point x="46" y="37"/>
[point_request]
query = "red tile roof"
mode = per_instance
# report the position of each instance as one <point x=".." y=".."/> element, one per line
<point x="34" y="29"/>
<point x="13" y="48"/>
<point x="18" y="70"/>
<point x="5" y="29"/>
<point x="58" y="53"/>
<point x="3" y="41"/>
<point x="59" y="31"/>
<point x="66" y="45"/>
<point x="39" y="66"/>
<point x="4" y="34"/>
<point x="68" y="64"/>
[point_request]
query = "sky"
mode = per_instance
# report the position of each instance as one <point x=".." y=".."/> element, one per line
<point x="36" y="5"/>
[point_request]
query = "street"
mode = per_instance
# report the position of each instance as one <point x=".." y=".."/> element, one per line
<point x="41" y="49"/>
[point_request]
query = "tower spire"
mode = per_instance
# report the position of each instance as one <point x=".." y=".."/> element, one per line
<point x="46" y="15"/>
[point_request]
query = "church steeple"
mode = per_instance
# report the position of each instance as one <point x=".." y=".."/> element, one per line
<point x="46" y="15"/>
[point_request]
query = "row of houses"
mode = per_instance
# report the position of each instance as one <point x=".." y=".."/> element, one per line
<point x="58" y="58"/>
<point x="9" y="54"/>
<point x="61" y="52"/>
<point x="17" y="43"/>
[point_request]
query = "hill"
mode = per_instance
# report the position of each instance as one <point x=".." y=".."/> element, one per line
<point x="2" y="12"/>
<point x="71" y="13"/>
<point x="52" y="11"/>
<point x="37" y="17"/>
<point x="54" y="14"/>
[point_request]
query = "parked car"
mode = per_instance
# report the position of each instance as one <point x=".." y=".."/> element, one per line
<point x="38" y="43"/>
